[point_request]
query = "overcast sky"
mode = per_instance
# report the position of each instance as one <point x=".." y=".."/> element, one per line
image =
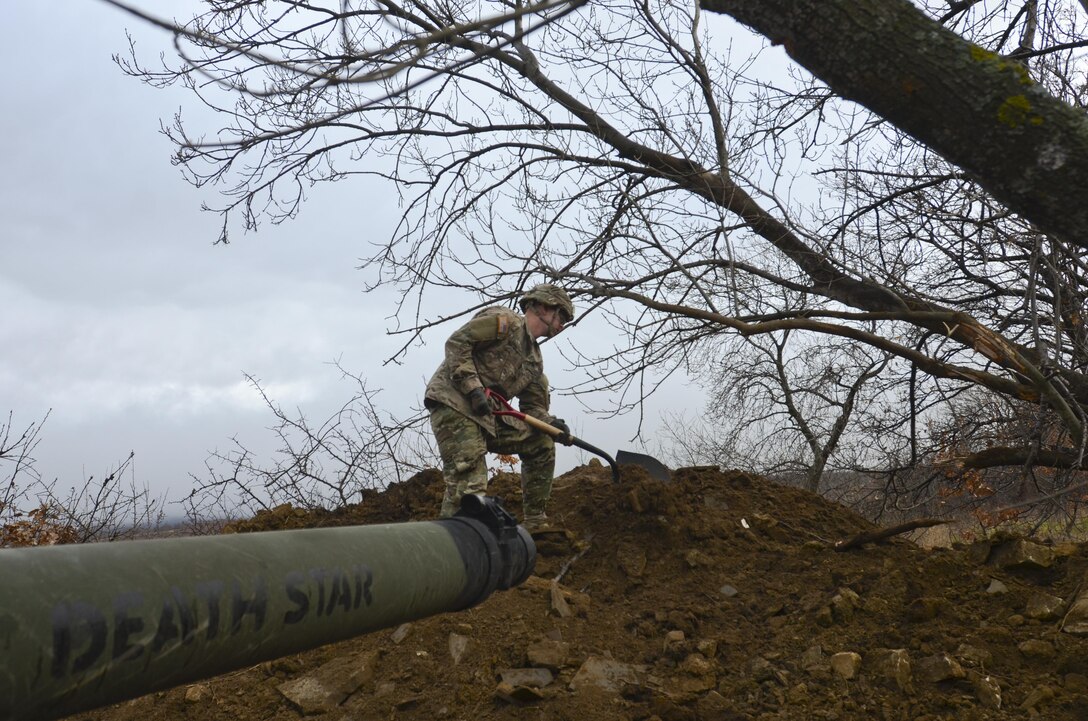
<point x="120" y="315"/>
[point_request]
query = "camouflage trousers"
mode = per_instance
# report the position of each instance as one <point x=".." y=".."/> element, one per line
<point x="463" y="446"/>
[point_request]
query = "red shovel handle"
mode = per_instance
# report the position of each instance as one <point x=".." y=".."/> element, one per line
<point x="505" y="409"/>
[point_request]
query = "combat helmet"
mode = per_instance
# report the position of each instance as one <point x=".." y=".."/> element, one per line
<point x="548" y="294"/>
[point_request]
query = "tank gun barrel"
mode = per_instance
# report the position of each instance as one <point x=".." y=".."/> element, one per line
<point x="85" y="626"/>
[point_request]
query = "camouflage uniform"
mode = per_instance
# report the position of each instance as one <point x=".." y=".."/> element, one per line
<point x="493" y="350"/>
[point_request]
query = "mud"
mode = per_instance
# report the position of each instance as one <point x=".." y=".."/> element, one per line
<point x="717" y="596"/>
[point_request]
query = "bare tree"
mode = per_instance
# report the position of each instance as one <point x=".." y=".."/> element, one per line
<point x="615" y="148"/>
<point x="328" y="465"/>
<point x="781" y="404"/>
<point x="38" y="511"/>
<point x="111" y="508"/>
<point x="17" y="463"/>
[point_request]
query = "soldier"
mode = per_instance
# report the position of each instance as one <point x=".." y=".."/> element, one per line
<point x="498" y="349"/>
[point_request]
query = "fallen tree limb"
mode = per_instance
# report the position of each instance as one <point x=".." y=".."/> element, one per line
<point x="566" y="566"/>
<point x="879" y="534"/>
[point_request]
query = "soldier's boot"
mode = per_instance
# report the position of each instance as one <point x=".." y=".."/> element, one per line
<point x="550" y="539"/>
<point x="536" y="522"/>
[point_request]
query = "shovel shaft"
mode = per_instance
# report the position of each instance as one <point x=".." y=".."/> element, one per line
<point x="540" y="425"/>
<point x="594" y="449"/>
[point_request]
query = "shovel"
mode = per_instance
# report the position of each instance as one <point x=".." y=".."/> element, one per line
<point x="505" y="409"/>
<point x="657" y="470"/>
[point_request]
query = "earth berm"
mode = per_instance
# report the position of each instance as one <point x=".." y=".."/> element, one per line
<point x="717" y="596"/>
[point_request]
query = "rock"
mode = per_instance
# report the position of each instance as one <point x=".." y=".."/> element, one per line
<point x="1044" y="607"/>
<point x="517" y="694"/>
<point x="683" y="689"/>
<point x="401" y="632"/>
<point x="778" y="622"/>
<point x="851" y="596"/>
<point x="979" y="552"/>
<point x="310" y="696"/>
<point x="1075" y="683"/>
<point x="531" y="677"/>
<point x="970" y="655"/>
<point x="283" y="667"/>
<point x="1076" y="620"/>
<point x="697" y="665"/>
<point x="712" y="705"/>
<point x="1037" y="648"/>
<point x="631" y="560"/>
<point x="998" y="635"/>
<point x="548" y="653"/>
<point x="1038" y="697"/>
<point x="925" y="608"/>
<point x="987" y="689"/>
<point x="458" y="647"/>
<point x="763" y="521"/>
<point x="696" y="677"/>
<point x="1065" y="549"/>
<point x="197" y="692"/>
<point x="708" y="647"/>
<point x="673" y="638"/>
<point x="762" y="670"/>
<point x="559" y="604"/>
<point x="681" y="620"/>
<point x="846" y="664"/>
<point x="1022" y="553"/>
<point x="696" y="559"/>
<point x="843" y="604"/>
<point x="327" y="687"/>
<point x="941" y="667"/>
<point x="604" y="673"/>
<point x="813" y="658"/>
<point x="894" y="664"/>
<point x="996" y="587"/>
<point x="728" y="591"/>
<point x="407" y="703"/>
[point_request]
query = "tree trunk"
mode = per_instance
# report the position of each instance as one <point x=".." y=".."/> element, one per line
<point x="979" y="110"/>
<point x="816" y="474"/>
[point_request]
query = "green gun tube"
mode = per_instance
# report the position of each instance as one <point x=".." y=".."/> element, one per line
<point x="88" y="625"/>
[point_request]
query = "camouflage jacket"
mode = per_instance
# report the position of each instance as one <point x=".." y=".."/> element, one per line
<point x="493" y="350"/>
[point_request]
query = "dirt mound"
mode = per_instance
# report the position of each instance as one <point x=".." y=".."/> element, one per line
<point x="717" y="596"/>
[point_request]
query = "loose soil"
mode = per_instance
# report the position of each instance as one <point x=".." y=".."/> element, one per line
<point x="716" y="596"/>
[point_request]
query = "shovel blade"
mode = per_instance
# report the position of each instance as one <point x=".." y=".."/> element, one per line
<point x="657" y="470"/>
